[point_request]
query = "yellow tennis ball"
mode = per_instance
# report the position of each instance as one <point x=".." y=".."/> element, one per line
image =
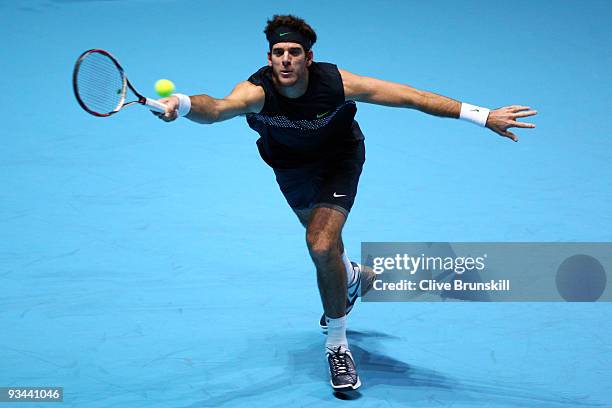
<point x="164" y="87"/>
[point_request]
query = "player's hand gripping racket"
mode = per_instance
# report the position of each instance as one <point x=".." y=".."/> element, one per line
<point x="101" y="86"/>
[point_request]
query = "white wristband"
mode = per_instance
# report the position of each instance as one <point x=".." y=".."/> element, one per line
<point x="184" y="104"/>
<point x="474" y="114"/>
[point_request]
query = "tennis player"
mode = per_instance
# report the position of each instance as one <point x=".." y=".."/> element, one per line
<point x="304" y="113"/>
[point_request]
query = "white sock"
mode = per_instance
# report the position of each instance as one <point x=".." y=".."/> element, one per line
<point x="336" y="332"/>
<point x="350" y="272"/>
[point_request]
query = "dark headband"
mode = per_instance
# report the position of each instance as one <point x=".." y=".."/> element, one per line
<point x="289" y="34"/>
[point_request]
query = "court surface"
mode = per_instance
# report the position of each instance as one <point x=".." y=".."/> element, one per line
<point x="145" y="264"/>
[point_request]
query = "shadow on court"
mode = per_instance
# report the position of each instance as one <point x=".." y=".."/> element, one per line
<point x="426" y="385"/>
<point x="305" y="369"/>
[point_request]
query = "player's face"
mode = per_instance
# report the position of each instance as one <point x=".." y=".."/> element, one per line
<point x="289" y="63"/>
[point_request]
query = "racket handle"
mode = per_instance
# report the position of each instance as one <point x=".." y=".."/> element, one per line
<point x="154" y="105"/>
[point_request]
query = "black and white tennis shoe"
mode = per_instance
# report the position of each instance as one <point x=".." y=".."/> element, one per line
<point x="362" y="282"/>
<point x="342" y="371"/>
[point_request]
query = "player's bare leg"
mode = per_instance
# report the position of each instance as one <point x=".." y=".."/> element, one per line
<point x="359" y="278"/>
<point x="323" y="239"/>
<point x="323" y="231"/>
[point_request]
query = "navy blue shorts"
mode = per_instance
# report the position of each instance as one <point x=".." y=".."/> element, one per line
<point x="332" y="183"/>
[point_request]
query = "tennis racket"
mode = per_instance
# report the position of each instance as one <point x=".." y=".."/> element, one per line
<point x="100" y="85"/>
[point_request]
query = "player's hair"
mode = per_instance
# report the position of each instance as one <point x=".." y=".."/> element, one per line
<point x="292" y="21"/>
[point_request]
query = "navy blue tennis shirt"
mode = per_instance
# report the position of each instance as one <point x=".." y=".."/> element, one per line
<point x="312" y="128"/>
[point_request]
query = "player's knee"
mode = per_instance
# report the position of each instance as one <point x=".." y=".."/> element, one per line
<point x="321" y="248"/>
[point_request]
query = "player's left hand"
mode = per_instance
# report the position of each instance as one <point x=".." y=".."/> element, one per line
<point x="500" y="120"/>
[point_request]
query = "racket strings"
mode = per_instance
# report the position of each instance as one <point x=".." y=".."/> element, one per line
<point x="100" y="83"/>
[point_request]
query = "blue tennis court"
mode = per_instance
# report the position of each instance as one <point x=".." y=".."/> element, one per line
<point x="150" y="264"/>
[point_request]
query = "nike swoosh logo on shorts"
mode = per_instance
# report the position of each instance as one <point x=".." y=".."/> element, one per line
<point x="339" y="195"/>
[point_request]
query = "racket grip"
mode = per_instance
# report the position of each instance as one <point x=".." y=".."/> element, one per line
<point x="154" y="105"/>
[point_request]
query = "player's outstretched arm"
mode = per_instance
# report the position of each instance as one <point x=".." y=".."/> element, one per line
<point x="376" y="91"/>
<point x="244" y="98"/>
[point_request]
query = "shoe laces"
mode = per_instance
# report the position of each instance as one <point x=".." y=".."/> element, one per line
<point x="338" y="359"/>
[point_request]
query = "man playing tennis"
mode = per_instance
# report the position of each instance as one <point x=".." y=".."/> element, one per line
<point x="304" y="113"/>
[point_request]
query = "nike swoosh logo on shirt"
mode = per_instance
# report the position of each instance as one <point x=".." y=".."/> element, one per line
<point x="339" y="195"/>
